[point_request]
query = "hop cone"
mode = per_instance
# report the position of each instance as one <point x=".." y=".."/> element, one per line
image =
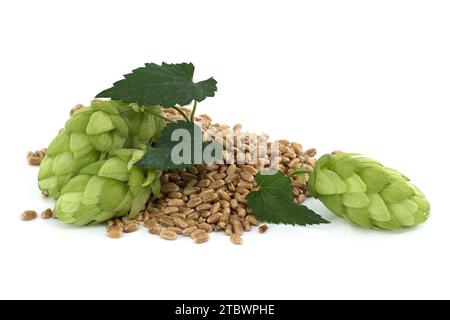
<point x="367" y="194"/>
<point x="106" y="189"/>
<point x="142" y="124"/>
<point x="87" y="134"/>
<point x="90" y="134"/>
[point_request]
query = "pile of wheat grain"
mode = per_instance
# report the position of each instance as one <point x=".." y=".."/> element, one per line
<point x="206" y="198"/>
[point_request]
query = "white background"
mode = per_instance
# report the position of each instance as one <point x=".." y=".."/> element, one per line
<point x="365" y="76"/>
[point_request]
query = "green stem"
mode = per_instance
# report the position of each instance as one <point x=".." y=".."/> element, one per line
<point x="193" y="110"/>
<point x="182" y="113"/>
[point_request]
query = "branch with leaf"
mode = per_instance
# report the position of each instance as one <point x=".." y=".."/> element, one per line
<point x="172" y="86"/>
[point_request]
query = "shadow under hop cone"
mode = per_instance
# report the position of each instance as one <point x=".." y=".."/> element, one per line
<point x="366" y="193"/>
<point x="106" y="189"/>
<point x="89" y="135"/>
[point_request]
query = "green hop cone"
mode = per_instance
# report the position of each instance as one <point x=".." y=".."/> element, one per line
<point x="106" y="189"/>
<point x="366" y="193"/>
<point x="88" y="134"/>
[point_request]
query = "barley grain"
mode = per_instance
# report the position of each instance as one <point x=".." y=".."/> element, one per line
<point x="205" y="183"/>
<point x="180" y="223"/>
<point x="297" y="148"/>
<point x="241" y="212"/>
<point x="175" y="203"/>
<point x="231" y="169"/>
<point x="205" y="214"/>
<point x="205" y="226"/>
<point x="241" y="199"/>
<point x="196" y="233"/>
<point x="131" y="227"/>
<point x="28" y="215"/>
<point x="177" y="230"/>
<point x="214" y="218"/>
<point x="246" y="225"/>
<point x="47" y="214"/>
<point x="252" y="219"/>
<point x="168" y="235"/>
<point x="311" y="152"/>
<point x="245" y="185"/>
<point x="224" y="204"/>
<point x="217" y="184"/>
<point x="205" y="193"/>
<point x="223" y="195"/>
<point x="211" y="197"/>
<point x="170" y="210"/>
<point x="236" y="239"/>
<point x="114" y="233"/>
<point x="201" y="238"/>
<point x="187" y="211"/>
<point x="188" y="231"/>
<point x="192" y="223"/>
<point x="218" y="176"/>
<point x="237" y="226"/>
<point x="215" y="208"/>
<point x="191" y="184"/>
<point x="247" y="176"/>
<point x="194" y="202"/>
<point x="263" y="228"/>
<point x="203" y="207"/>
<point x="193" y="216"/>
<point x="149" y="223"/>
<point x="166" y="222"/>
<point x="229" y="230"/>
<point x="242" y="191"/>
<point x="250" y="169"/>
<point x="169" y="187"/>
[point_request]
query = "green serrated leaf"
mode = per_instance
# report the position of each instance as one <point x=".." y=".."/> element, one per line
<point x="166" y="85"/>
<point x="274" y="202"/>
<point x="185" y="150"/>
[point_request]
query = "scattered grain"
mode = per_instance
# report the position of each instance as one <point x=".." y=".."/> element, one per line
<point x="28" y="215"/>
<point x="47" y="214"/>
<point x="263" y="228"/>
<point x="168" y="235"/>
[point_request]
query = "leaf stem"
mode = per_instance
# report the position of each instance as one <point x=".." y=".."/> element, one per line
<point x="182" y="113"/>
<point x="194" y="108"/>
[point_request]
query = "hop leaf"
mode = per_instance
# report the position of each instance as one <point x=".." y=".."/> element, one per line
<point x="166" y="85"/>
<point x="274" y="202"/>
